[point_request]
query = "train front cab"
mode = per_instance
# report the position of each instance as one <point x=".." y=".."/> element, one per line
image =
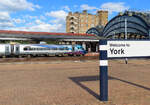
<point x="78" y="50"/>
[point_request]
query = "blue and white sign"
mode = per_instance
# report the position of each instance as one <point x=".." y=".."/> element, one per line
<point x="118" y="49"/>
<point x="127" y="48"/>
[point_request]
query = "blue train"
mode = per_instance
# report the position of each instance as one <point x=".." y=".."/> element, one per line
<point x="40" y="50"/>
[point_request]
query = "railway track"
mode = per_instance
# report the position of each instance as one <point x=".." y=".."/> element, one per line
<point x="47" y="59"/>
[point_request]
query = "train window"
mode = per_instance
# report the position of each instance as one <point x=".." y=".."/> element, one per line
<point x="17" y="48"/>
<point x="12" y="48"/>
<point x="61" y="48"/>
<point x="73" y="48"/>
<point x="66" y="48"/>
<point x="45" y="48"/>
<point x="54" y="48"/>
<point x="25" y="49"/>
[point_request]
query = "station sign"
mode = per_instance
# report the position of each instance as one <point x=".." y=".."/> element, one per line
<point x="127" y="48"/>
<point x="118" y="49"/>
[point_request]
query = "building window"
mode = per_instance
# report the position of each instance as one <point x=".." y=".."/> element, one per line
<point x="86" y="20"/>
<point x="92" y="25"/>
<point x="81" y="20"/>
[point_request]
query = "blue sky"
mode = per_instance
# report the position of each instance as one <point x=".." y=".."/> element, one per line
<point x="49" y="15"/>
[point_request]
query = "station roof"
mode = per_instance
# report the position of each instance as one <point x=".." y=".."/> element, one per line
<point x="136" y="24"/>
<point x="45" y="35"/>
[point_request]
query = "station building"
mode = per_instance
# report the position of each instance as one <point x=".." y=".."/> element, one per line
<point x="88" y="41"/>
<point x="81" y="22"/>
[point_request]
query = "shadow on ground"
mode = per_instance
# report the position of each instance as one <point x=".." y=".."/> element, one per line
<point x="78" y="81"/>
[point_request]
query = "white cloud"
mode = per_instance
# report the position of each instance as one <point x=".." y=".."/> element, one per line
<point x="66" y="8"/>
<point x="30" y="17"/>
<point x="30" y="23"/>
<point x="4" y="16"/>
<point x="57" y="14"/>
<point x="17" y="5"/>
<point x="75" y="6"/>
<point x="6" y="25"/>
<point x="114" y="6"/>
<point x="7" y="7"/>
<point x="40" y="27"/>
<point x="38" y="21"/>
<point x="37" y="6"/>
<point x="59" y="20"/>
<point x="42" y="17"/>
<point x="17" y="21"/>
<point x="5" y="20"/>
<point x="87" y="7"/>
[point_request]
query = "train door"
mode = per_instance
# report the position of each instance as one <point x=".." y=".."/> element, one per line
<point x="12" y="49"/>
<point x="73" y="48"/>
<point x="7" y="51"/>
<point x="17" y="50"/>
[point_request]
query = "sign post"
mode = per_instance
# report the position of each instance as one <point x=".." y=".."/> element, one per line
<point x="103" y="71"/>
<point x="118" y="49"/>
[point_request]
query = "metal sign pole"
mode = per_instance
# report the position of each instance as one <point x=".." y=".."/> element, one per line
<point x="103" y="71"/>
<point x="126" y="29"/>
<point x="126" y="59"/>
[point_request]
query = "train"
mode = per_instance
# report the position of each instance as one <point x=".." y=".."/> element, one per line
<point x="23" y="50"/>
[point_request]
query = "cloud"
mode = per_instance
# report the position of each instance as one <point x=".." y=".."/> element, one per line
<point x="59" y="21"/>
<point x="40" y="26"/>
<point x="7" y="7"/>
<point x="114" y="6"/>
<point x="75" y="6"/>
<point x="57" y="14"/>
<point x="30" y="17"/>
<point x="6" y="25"/>
<point x="66" y="8"/>
<point x="87" y="7"/>
<point x="18" y="21"/>
<point x="40" y="23"/>
<point x="37" y="23"/>
<point x="28" y="22"/>
<point x="5" y="20"/>
<point x="17" y="5"/>
<point x="4" y="16"/>
<point x="42" y="17"/>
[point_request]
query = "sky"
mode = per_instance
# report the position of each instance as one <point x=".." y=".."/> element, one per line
<point x="50" y="15"/>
